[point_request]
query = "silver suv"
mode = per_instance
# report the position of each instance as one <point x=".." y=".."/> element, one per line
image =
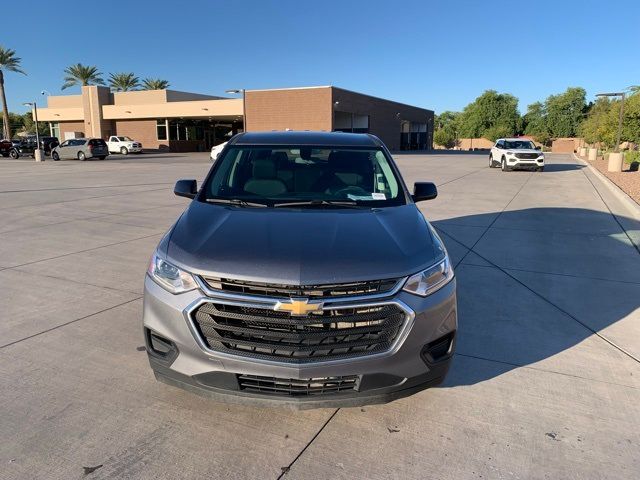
<point x="302" y="273"/>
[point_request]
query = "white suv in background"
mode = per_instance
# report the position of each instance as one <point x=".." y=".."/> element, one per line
<point x="510" y="153"/>
<point x="123" y="145"/>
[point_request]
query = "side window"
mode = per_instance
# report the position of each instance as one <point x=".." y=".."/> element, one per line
<point x="65" y="144"/>
<point x="500" y="144"/>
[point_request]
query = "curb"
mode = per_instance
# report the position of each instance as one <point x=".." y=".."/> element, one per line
<point x="629" y="203"/>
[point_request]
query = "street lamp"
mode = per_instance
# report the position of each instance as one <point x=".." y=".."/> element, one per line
<point x="37" y="154"/>
<point x="244" y="105"/>
<point x="621" y="95"/>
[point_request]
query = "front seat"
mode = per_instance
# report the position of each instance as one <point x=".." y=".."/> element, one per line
<point x="264" y="181"/>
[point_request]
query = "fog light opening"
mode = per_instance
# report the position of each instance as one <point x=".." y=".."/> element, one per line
<point x="440" y="349"/>
<point x="159" y="345"/>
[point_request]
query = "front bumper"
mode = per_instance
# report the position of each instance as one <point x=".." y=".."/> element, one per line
<point x="406" y="368"/>
<point x="520" y="163"/>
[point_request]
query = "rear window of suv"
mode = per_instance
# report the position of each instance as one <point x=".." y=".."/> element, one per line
<point x="282" y="174"/>
<point x="97" y="142"/>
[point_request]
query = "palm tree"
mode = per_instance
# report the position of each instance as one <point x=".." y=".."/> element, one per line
<point x="10" y="63"/>
<point x="82" y="75"/>
<point x="123" y="82"/>
<point x="634" y="90"/>
<point x="154" y="84"/>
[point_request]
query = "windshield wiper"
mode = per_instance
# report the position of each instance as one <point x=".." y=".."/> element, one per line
<point x="316" y="203"/>
<point x="236" y="201"/>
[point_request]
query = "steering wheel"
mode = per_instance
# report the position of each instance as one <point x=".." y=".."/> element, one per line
<point x="351" y="190"/>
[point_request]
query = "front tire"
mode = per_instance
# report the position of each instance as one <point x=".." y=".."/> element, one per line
<point x="81" y="156"/>
<point x="55" y="156"/>
<point x="541" y="169"/>
<point x="14" y="154"/>
<point x="491" y="165"/>
<point x="124" y="151"/>
<point x="503" y="165"/>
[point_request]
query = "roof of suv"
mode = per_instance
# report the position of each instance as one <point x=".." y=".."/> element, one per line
<point x="329" y="139"/>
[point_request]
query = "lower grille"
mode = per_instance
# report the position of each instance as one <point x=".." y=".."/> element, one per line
<point x="297" y="387"/>
<point x="275" y="335"/>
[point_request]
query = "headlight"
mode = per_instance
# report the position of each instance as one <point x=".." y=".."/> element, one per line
<point x="170" y="277"/>
<point x="509" y="153"/>
<point x="430" y="280"/>
<point x="433" y="278"/>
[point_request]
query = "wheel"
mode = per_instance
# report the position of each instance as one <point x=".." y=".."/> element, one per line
<point x="491" y="161"/>
<point x="55" y="156"/>
<point x="541" y="169"/>
<point x="81" y="156"/>
<point x="102" y="157"/>
<point x="124" y="151"/>
<point x="503" y="164"/>
<point x="14" y="154"/>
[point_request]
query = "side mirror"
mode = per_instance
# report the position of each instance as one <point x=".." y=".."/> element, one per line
<point x="538" y="147"/>
<point x="186" y="188"/>
<point x="424" y="191"/>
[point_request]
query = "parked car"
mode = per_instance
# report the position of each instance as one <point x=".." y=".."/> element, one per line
<point x="123" y="145"/>
<point x="301" y="273"/>
<point x="5" y="147"/>
<point x="512" y="153"/>
<point x="81" y="149"/>
<point x="27" y="146"/>
<point x="215" y="151"/>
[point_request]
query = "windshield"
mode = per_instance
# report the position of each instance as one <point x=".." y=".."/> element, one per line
<point x="519" y="144"/>
<point x="124" y="139"/>
<point x="283" y="174"/>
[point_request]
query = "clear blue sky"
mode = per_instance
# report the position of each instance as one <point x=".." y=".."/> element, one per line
<point x="435" y="54"/>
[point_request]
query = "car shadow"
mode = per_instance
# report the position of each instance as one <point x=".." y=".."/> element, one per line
<point x="540" y="282"/>
<point x="562" y="167"/>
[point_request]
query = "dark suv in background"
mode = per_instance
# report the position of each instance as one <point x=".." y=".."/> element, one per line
<point x="27" y="146"/>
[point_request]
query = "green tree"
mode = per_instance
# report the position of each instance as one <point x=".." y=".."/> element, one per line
<point x="535" y="122"/>
<point x="9" y="63"/>
<point x="82" y="75"/>
<point x="565" y="112"/>
<point x="489" y="114"/>
<point x="445" y="137"/>
<point x="154" y="84"/>
<point x="596" y="126"/>
<point x="29" y="125"/>
<point x="123" y="82"/>
<point x="633" y="90"/>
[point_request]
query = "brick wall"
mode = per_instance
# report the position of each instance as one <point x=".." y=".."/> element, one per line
<point x="384" y="121"/>
<point x="143" y="131"/>
<point x="70" y="127"/>
<point x="297" y="109"/>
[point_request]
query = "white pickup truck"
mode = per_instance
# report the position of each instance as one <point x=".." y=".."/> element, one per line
<point x="123" y="145"/>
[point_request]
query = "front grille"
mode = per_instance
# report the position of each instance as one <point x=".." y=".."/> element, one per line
<point x="291" y="387"/>
<point x="527" y="156"/>
<point x="309" y="291"/>
<point x="275" y="335"/>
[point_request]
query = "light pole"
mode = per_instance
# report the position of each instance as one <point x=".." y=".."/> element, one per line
<point x="244" y="105"/>
<point x="37" y="154"/>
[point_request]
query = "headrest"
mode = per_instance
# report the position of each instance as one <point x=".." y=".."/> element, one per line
<point x="264" y="169"/>
<point x="348" y="161"/>
<point x="279" y="158"/>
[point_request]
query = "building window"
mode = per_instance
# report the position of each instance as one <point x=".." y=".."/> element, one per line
<point x="350" y="122"/>
<point x="161" y="129"/>
<point x="55" y="129"/>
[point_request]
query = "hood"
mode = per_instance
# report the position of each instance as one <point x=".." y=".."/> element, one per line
<point x="524" y="150"/>
<point x="301" y="246"/>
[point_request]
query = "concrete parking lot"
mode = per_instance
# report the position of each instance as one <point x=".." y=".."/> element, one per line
<point x="545" y="382"/>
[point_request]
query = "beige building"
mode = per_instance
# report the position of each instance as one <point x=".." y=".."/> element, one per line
<point x="180" y="121"/>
